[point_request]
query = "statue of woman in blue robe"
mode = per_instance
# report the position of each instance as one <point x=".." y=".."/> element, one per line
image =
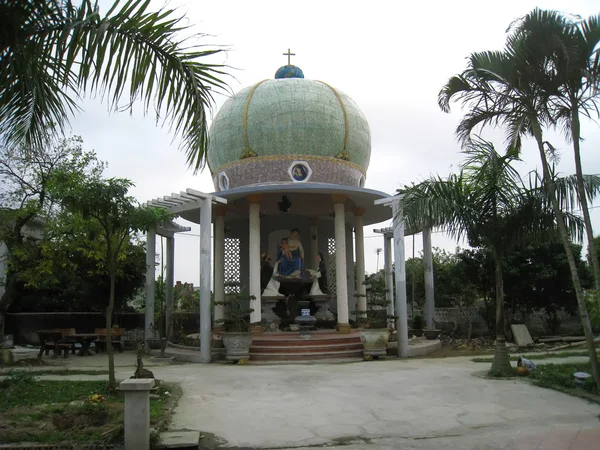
<point x="291" y="255"/>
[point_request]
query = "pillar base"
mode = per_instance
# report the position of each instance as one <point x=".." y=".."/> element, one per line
<point x="257" y="330"/>
<point x="343" y="328"/>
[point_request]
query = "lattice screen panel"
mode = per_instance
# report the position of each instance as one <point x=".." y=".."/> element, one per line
<point x="331" y="266"/>
<point x="232" y="266"/>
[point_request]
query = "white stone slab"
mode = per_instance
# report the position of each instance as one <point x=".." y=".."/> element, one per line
<point x="179" y="439"/>
<point x="521" y="335"/>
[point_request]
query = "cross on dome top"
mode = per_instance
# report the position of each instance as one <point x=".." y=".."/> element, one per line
<point x="289" y="55"/>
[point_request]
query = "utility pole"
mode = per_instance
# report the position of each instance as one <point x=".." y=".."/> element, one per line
<point x="378" y="251"/>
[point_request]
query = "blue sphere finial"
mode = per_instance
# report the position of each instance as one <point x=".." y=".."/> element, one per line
<point x="289" y="71"/>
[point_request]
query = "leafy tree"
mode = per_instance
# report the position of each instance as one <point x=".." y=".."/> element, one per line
<point x="63" y="277"/>
<point x="105" y="205"/>
<point x="54" y="51"/>
<point x="25" y="202"/>
<point x="504" y="88"/>
<point x="566" y="49"/>
<point x="488" y="203"/>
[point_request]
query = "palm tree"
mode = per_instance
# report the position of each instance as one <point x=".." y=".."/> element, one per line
<point x="502" y="89"/>
<point x="568" y="50"/>
<point x="488" y="204"/>
<point x="52" y="51"/>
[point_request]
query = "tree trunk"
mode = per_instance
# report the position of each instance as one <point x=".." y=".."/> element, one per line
<point x="501" y="362"/>
<point x="112" y="382"/>
<point x="564" y="235"/>
<point x="576" y="135"/>
<point x="7" y="299"/>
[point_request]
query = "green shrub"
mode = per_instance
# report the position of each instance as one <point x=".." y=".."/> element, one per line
<point x="418" y="322"/>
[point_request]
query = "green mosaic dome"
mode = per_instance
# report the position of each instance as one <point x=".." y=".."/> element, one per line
<point x="289" y="116"/>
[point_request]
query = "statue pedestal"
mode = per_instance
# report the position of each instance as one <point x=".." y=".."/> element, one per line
<point x="322" y="302"/>
<point x="271" y="319"/>
<point x="305" y="322"/>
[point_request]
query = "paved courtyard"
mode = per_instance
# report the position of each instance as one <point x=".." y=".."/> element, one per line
<point x="393" y="404"/>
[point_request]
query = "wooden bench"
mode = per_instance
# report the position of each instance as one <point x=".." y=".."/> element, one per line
<point x="117" y="335"/>
<point x="56" y="340"/>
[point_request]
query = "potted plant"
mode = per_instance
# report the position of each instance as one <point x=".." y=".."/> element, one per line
<point x="375" y="334"/>
<point x="237" y="337"/>
<point x="418" y="323"/>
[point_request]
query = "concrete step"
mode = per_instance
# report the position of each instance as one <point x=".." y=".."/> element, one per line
<point x="305" y="356"/>
<point x="315" y="340"/>
<point x="305" y="348"/>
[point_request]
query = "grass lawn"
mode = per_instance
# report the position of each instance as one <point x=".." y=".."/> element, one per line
<point x="537" y="356"/>
<point x="560" y="377"/>
<point x="53" y="412"/>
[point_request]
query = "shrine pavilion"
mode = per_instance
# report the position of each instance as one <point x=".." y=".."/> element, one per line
<point x="285" y="153"/>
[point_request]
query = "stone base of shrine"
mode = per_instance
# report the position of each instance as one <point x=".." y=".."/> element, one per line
<point x="322" y="345"/>
<point x="416" y="347"/>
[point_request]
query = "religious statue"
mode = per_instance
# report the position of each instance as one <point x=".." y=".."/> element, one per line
<point x="291" y="255"/>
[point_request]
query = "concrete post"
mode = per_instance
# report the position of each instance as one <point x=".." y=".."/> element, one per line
<point x="137" y="412"/>
<point x="400" y="272"/>
<point x="205" y="272"/>
<point x="150" y="283"/>
<point x="428" y="269"/>
<point x="254" y="254"/>
<point x="361" y="291"/>
<point x="169" y="291"/>
<point x="343" y="325"/>
<point x="219" y="261"/>
<point x="314" y="246"/>
<point x="389" y="272"/>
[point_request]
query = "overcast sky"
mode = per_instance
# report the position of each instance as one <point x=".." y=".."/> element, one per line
<point x="391" y="57"/>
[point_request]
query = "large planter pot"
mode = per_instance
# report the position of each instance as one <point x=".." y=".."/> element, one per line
<point x="237" y="345"/>
<point x="374" y="341"/>
<point x="432" y="334"/>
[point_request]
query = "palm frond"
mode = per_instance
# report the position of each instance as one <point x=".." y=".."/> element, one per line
<point x="61" y="50"/>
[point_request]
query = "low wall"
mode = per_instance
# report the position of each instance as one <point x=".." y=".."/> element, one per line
<point x="24" y="326"/>
<point x="447" y="318"/>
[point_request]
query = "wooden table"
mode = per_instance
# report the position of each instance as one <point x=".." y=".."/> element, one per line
<point x="85" y="339"/>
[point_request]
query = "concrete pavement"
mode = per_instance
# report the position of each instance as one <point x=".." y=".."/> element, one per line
<point x="392" y="404"/>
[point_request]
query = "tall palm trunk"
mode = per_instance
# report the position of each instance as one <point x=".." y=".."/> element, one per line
<point x="501" y="362"/>
<point x="576" y="135"/>
<point x="564" y="235"/>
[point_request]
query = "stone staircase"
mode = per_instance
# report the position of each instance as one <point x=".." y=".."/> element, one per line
<point x="290" y="347"/>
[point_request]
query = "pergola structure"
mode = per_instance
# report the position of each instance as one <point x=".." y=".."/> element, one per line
<point x="396" y="233"/>
<point x="184" y="202"/>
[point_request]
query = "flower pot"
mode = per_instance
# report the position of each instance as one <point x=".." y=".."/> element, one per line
<point x="237" y="345"/>
<point x="432" y="334"/>
<point x="374" y="341"/>
<point x="416" y="332"/>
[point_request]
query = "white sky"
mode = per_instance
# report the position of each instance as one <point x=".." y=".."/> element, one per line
<point x="391" y="57"/>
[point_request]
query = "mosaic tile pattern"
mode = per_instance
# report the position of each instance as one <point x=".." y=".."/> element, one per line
<point x="256" y="171"/>
<point x="289" y="117"/>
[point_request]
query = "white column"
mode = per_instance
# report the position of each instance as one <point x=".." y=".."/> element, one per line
<point x="361" y="291"/>
<point x="150" y="282"/>
<point x="343" y="325"/>
<point x="254" y="254"/>
<point x="400" y="272"/>
<point x="314" y="246"/>
<point x="428" y="268"/>
<point x="205" y="271"/>
<point x="219" y="261"/>
<point x="169" y="284"/>
<point x="350" y="281"/>
<point x="389" y="272"/>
